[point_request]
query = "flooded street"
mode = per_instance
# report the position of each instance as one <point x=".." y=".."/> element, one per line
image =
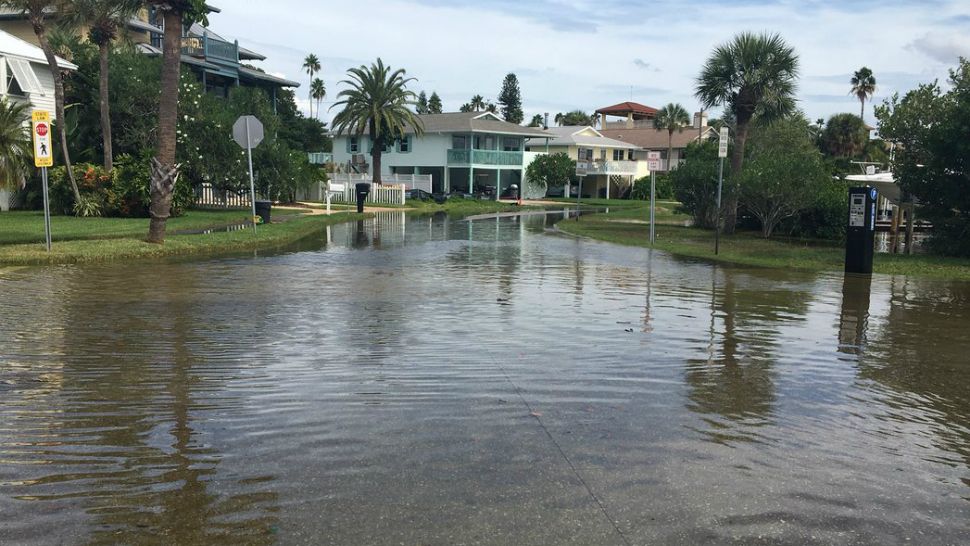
<point x="437" y="381"/>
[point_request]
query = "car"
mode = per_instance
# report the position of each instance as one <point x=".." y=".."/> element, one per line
<point x="417" y="194"/>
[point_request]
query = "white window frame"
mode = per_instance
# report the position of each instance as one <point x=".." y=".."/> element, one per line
<point x="354" y="145"/>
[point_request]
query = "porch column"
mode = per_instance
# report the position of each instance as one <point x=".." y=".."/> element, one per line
<point x="607" y="186"/>
<point x="446" y="187"/>
<point x="498" y="184"/>
<point x="471" y="178"/>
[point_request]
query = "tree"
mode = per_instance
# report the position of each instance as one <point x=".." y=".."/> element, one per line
<point x="537" y="121"/>
<point x="477" y="103"/>
<point x="105" y="20"/>
<point x="784" y="172"/>
<point x="37" y="12"/>
<point x="491" y="108"/>
<point x="554" y="170"/>
<point x="672" y="117"/>
<point x="467" y="107"/>
<point x="311" y="63"/>
<point x="165" y="170"/>
<point x="511" y="100"/>
<point x="16" y="150"/>
<point x="421" y="106"/>
<point x="863" y="87"/>
<point x="929" y="128"/>
<point x="318" y="91"/>
<point x="377" y="101"/>
<point x="558" y="119"/>
<point x="695" y="183"/>
<point x="434" y="104"/>
<point x="751" y="76"/>
<point x="844" y="136"/>
<point x="576" y="117"/>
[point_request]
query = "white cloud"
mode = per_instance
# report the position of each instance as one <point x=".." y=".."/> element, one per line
<point x="944" y="48"/>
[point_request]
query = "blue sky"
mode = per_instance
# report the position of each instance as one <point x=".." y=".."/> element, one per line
<point x="585" y="54"/>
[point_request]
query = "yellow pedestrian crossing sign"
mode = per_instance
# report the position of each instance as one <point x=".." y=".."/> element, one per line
<point x="43" y="155"/>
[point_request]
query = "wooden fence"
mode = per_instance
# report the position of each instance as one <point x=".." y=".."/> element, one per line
<point x="208" y="196"/>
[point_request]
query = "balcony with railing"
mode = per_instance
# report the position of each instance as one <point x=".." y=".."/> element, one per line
<point x="497" y="158"/>
<point x="210" y="48"/>
<point x="588" y="168"/>
<point x="320" y="158"/>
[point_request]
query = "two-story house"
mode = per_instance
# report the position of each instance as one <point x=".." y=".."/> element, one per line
<point x="462" y="151"/>
<point x="637" y="128"/>
<point x="608" y="167"/>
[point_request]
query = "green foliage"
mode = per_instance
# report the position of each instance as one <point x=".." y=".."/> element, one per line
<point x="824" y="214"/>
<point x="554" y="170"/>
<point x="537" y="121"/>
<point x="664" y="187"/>
<point x="510" y="98"/>
<point x="434" y="104"/>
<point x="695" y="183"/>
<point x="123" y="193"/>
<point x="376" y="99"/>
<point x="421" y="104"/>
<point x="863" y="86"/>
<point x="16" y="150"/>
<point x="932" y="129"/>
<point x="576" y="117"/>
<point x="845" y="136"/>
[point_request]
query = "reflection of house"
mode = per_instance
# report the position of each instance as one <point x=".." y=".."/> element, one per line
<point x="26" y="79"/>
<point x="637" y="129"/>
<point x="466" y="151"/>
<point x="607" y="166"/>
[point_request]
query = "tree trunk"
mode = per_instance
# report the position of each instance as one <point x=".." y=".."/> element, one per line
<point x="164" y="170"/>
<point x="862" y="110"/>
<point x="670" y="150"/>
<point x="310" y="94"/>
<point x="45" y="45"/>
<point x="103" y="49"/>
<point x="376" y="160"/>
<point x="737" y="160"/>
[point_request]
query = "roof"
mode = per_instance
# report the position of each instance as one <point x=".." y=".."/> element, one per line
<point x="656" y="139"/>
<point x="153" y="51"/>
<point x="573" y="136"/>
<point x="138" y="24"/>
<point x="246" y="72"/>
<point x="11" y="46"/>
<point x="625" y="108"/>
<point x="244" y="54"/>
<point x="474" y="122"/>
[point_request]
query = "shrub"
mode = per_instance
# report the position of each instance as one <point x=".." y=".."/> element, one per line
<point x="695" y="183"/>
<point x="664" y="188"/>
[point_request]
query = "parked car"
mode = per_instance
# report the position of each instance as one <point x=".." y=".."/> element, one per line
<point x="417" y="194"/>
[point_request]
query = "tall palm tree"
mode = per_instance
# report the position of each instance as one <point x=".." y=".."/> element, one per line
<point x="37" y="12"/>
<point x="105" y="20"/>
<point x="15" y="146"/>
<point x="672" y="117"/>
<point x="165" y="171"/>
<point x="377" y="100"/>
<point x="477" y="103"/>
<point x="863" y="87"/>
<point x="317" y="92"/>
<point x="312" y="65"/>
<point x="753" y="75"/>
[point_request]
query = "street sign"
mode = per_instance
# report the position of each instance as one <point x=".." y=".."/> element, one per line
<point x="722" y="145"/>
<point x="247" y="131"/>
<point x="653" y="161"/>
<point x="653" y="156"/>
<point x="43" y="154"/>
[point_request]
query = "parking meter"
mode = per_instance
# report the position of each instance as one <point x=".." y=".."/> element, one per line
<point x="861" y="232"/>
<point x="363" y="189"/>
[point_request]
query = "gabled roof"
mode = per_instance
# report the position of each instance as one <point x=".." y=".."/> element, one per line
<point x="474" y="122"/>
<point x="11" y="46"/>
<point x="578" y="135"/>
<point x="625" y="108"/>
<point x="657" y="139"/>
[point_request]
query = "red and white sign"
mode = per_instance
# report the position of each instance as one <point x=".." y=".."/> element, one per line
<point x="43" y="154"/>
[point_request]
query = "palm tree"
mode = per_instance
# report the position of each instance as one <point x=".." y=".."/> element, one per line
<point x="15" y="146"/>
<point x="672" y="117"/>
<point x="863" y="87"/>
<point x="318" y="91"/>
<point x="165" y="171"/>
<point x="477" y="103"/>
<point x="558" y="119"/>
<point x="37" y="12"/>
<point x="377" y="101"/>
<point x="312" y="65"/>
<point x="751" y="76"/>
<point x="105" y="20"/>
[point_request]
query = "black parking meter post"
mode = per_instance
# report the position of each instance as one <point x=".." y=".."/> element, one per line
<point x="861" y="231"/>
<point x="363" y="189"/>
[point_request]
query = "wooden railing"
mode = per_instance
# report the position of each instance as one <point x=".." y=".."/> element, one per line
<point x="208" y="196"/>
<point x="210" y="48"/>
<point x="484" y="157"/>
<point x="584" y="168"/>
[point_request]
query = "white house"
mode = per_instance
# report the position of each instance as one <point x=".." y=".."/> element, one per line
<point x="26" y="78"/>
<point x="473" y="152"/>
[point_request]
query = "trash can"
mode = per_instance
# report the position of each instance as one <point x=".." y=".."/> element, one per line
<point x="363" y="189"/>
<point x="263" y="209"/>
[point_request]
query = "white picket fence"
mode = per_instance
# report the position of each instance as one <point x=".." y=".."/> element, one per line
<point x="208" y="196"/>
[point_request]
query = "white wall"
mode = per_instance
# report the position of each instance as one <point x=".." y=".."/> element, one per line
<point x="427" y="151"/>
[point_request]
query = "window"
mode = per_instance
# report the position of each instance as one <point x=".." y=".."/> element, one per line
<point x="13" y="88"/>
<point x="25" y="76"/>
<point x="511" y="144"/>
<point x="459" y="142"/>
<point x="617" y="155"/>
<point x="585" y="154"/>
<point x="353" y="145"/>
<point x="404" y="145"/>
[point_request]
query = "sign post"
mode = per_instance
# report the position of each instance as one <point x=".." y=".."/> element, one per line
<point x="722" y="150"/>
<point x="248" y="133"/>
<point x="653" y="163"/>
<point x="43" y="158"/>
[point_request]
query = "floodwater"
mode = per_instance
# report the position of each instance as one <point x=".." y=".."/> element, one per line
<point x="435" y="381"/>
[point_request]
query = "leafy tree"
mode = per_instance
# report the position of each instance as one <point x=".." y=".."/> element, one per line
<point x="421" y="106"/>
<point x="558" y="119"/>
<point x="491" y="108"/>
<point x="296" y="130"/>
<point x="784" y="172"/>
<point x="537" y="121"/>
<point x="318" y="91"/>
<point x="845" y="136"/>
<point x="16" y="150"/>
<point x="554" y="170"/>
<point x="929" y="127"/>
<point x="576" y="117"/>
<point x="511" y="100"/>
<point x="377" y="101"/>
<point x="863" y="87"/>
<point x="672" y="117"/>
<point x="751" y="76"/>
<point x="434" y="104"/>
<point x="467" y="107"/>
<point x="312" y="65"/>
<point x="695" y="183"/>
<point x="477" y="103"/>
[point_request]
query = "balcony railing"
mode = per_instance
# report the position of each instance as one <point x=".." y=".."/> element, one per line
<point x="210" y="48"/>
<point x="320" y="158"/>
<point x="584" y="168"/>
<point x="484" y="157"/>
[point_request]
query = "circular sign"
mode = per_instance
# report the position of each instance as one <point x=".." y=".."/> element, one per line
<point x="42" y="129"/>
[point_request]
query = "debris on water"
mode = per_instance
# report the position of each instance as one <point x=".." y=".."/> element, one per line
<point x="536" y="414"/>
<point x="628" y="329"/>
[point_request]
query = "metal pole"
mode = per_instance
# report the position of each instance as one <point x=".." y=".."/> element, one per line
<point x="252" y="184"/>
<point x="717" y="223"/>
<point x="47" y="209"/>
<point x="579" y="196"/>
<point x="653" y="198"/>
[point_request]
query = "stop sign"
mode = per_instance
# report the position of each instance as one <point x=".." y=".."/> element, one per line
<point x="42" y="129"/>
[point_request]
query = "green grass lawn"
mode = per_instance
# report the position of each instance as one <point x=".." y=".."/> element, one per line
<point x="598" y="202"/>
<point x="749" y="248"/>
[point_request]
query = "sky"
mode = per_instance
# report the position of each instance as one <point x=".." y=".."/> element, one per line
<point x="587" y="54"/>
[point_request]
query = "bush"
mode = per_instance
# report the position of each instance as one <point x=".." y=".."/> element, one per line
<point x="641" y="188"/>
<point x="695" y="183"/>
<point x="123" y="193"/>
<point x="825" y="216"/>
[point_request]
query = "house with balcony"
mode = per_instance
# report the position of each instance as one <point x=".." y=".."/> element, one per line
<point x="474" y="152"/>
<point x="637" y="128"/>
<point x="608" y="167"/>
